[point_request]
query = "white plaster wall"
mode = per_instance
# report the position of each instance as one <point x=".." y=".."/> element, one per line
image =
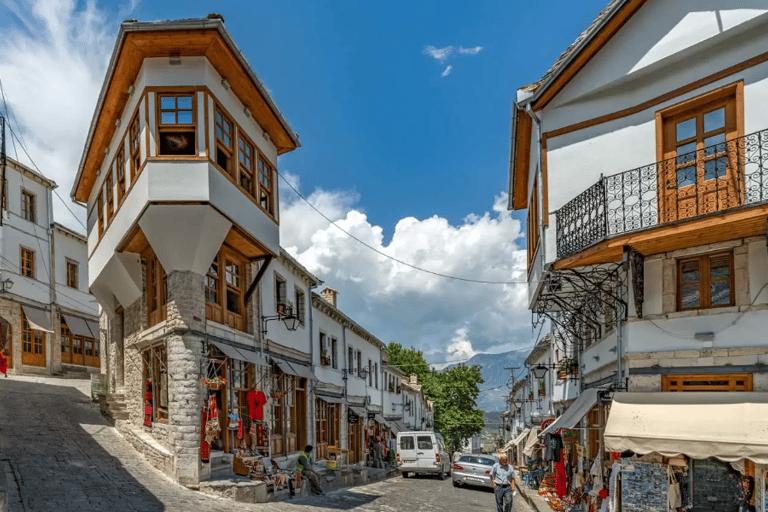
<point x="276" y="330"/>
<point x="371" y="352"/>
<point x="78" y="299"/>
<point x="758" y="271"/>
<point x="331" y="328"/>
<point x="662" y="334"/>
<point x="663" y="47"/>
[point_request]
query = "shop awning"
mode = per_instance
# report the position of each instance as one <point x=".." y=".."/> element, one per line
<point x="573" y="414"/>
<point x="531" y="441"/>
<point x="519" y="439"/>
<point x="378" y="418"/>
<point x="330" y="399"/>
<point x="252" y="357"/>
<point x="359" y="411"/>
<point x="78" y="326"/>
<point x="38" y="319"/>
<point x="398" y="426"/>
<point x="303" y="371"/>
<point x="229" y="351"/>
<point x="726" y="425"/>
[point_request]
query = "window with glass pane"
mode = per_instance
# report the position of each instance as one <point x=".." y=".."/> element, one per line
<point x="245" y="157"/>
<point x="100" y="212"/>
<point x="135" y="146"/>
<point x="265" y="186"/>
<point x="705" y="282"/>
<point x="224" y="129"/>
<point x="27" y="262"/>
<point x="120" y="170"/>
<point x="66" y="337"/>
<point x="232" y="276"/>
<point x="77" y="345"/>
<point x="109" y="189"/>
<point x="28" y="205"/>
<point x="176" y="125"/>
<point x="212" y="283"/>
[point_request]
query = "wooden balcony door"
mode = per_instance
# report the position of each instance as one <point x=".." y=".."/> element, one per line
<point x="698" y="171"/>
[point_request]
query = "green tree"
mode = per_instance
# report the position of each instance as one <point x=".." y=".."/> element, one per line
<point x="454" y="392"/>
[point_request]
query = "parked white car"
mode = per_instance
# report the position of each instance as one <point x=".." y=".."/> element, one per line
<point x="422" y="452"/>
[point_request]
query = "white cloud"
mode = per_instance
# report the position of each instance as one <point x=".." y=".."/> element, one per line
<point x="460" y="348"/>
<point x="438" y="53"/>
<point x="470" y="51"/>
<point x="52" y="63"/>
<point x="397" y="303"/>
<point x="447" y="71"/>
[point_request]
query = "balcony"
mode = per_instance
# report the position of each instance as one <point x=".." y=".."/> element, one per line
<point x="694" y="186"/>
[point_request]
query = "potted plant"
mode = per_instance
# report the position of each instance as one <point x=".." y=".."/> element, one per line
<point x="542" y="388"/>
<point x="530" y="395"/>
<point x="573" y="366"/>
<point x="562" y="370"/>
<point x="324" y="358"/>
<point x="215" y="383"/>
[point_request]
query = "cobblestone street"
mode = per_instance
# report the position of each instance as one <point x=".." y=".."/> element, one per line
<point x="59" y="454"/>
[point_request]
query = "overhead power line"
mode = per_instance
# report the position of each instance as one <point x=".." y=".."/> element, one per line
<point x="374" y="249"/>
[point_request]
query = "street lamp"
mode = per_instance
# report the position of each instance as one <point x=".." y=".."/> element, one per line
<point x="7" y="284"/>
<point x="291" y="322"/>
<point x="539" y="371"/>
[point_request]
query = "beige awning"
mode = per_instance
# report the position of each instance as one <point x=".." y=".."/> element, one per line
<point x="38" y="319"/>
<point x="531" y="441"/>
<point x="519" y="439"/>
<point x="729" y="426"/>
<point x="573" y="414"/>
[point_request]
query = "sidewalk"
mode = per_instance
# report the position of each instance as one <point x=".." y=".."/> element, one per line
<point x="531" y="497"/>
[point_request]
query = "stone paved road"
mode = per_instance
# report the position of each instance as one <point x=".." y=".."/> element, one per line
<point x="59" y="455"/>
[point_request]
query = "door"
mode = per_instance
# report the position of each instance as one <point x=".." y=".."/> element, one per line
<point x="92" y="355"/>
<point x="66" y="344"/>
<point x="426" y="448"/>
<point x="699" y="171"/>
<point x="406" y="450"/>
<point x="32" y="346"/>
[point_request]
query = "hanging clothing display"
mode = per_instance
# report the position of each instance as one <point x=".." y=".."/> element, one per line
<point x="597" y="476"/>
<point x="234" y="419"/>
<point x="256" y="402"/>
<point x="613" y="494"/>
<point x="212" y="427"/>
<point x="205" y="448"/>
<point x="673" y="492"/>
<point x="561" y="482"/>
<point x="240" y="429"/>
<point x="148" y="409"/>
<point x="554" y="444"/>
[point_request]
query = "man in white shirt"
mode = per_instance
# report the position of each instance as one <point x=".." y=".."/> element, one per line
<point x="503" y="479"/>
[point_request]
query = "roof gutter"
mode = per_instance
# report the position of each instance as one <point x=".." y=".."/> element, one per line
<point x="539" y="184"/>
<point x="512" y="150"/>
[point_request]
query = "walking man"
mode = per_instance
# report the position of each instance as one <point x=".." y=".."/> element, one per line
<point x="378" y="454"/>
<point x="304" y="466"/>
<point x="503" y="478"/>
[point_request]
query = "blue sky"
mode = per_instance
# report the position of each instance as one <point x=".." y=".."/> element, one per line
<point x="407" y="150"/>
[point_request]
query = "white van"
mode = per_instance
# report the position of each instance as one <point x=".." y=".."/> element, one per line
<point x="422" y="452"/>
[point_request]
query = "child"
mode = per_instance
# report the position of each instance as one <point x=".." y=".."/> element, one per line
<point x="3" y="363"/>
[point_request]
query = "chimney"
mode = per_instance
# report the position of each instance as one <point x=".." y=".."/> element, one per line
<point x="414" y="379"/>
<point x="329" y="295"/>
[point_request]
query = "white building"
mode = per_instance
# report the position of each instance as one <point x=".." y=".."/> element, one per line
<point x="640" y="156"/>
<point x="49" y="321"/>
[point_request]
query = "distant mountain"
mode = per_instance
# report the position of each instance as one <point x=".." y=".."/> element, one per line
<point x="496" y="377"/>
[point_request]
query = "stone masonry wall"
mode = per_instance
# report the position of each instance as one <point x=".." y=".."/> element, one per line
<point x="11" y="312"/>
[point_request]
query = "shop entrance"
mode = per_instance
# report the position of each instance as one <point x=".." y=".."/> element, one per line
<point x="32" y="344"/>
<point x="6" y="340"/>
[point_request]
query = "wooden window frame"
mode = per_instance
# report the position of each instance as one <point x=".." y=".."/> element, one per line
<point x="27" y="259"/>
<point x="334" y="353"/>
<point x="232" y="166"/>
<point x="245" y="170"/>
<point x="301" y="305"/>
<point x="176" y="127"/>
<point x="532" y="227"/>
<point x="73" y="280"/>
<point x="109" y="188"/>
<point x="370" y="373"/>
<point x="156" y="291"/>
<point x="155" y="360"/>
<point x="730" y="382"/>
<point x="266" y="193"/>
<point x="134" y="145"/>
<point x="704" y="281"/>
<point x="218" y="310"/>
<point x="100" y="213"/>
<point x="323" y="341"/>
<point x="281" y="294"/>
<point x="29" y="205"/>
<point x="120" y="172"/>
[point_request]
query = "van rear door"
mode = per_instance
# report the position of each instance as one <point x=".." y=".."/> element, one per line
<point x="426" y="449"/>
<point x="406" y="448"/>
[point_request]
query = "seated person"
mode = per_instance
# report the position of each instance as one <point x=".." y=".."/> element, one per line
<point x="304" y="466"/>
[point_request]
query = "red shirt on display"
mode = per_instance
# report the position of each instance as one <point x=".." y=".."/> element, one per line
<point x="256" y="401"/>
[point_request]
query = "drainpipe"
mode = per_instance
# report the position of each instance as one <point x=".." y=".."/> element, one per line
<point x="539" y="181"/>
<point x="52" y="277"/>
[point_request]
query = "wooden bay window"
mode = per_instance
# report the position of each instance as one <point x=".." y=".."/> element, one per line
<point x="224" y="130"/>
<point x="110" y="190"/>
<point x="134" y="145"/>
<point x="120" y="170"/>
<point x="266" y="186"/>
<point x="246" y="164"/>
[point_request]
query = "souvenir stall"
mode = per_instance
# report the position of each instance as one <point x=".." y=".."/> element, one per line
<point x="668" y="454"/>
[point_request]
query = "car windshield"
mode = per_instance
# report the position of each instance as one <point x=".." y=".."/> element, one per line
<point x="425" y="442"/>
<point x="406" y="443"/>
<point x="485" y="461"/>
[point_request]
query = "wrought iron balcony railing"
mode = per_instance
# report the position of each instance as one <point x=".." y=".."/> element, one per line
<point x="709" y="180"/>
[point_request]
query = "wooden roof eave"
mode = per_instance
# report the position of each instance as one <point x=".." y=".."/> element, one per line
<point x="520" y="160"/>
<point x="290" y="138"/>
